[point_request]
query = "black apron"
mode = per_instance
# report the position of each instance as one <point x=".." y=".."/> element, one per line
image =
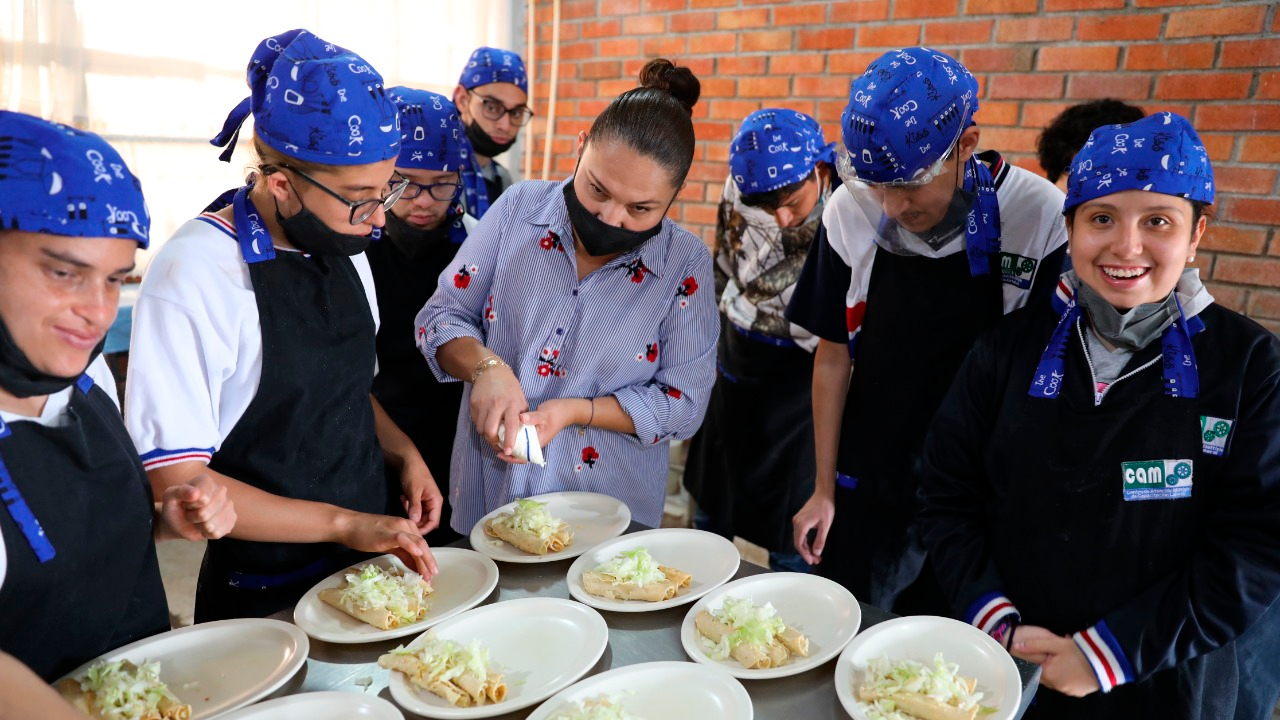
<point x="751" y="465"/>
<point x="308" y="433"/>
<point x="99" y="586"/>
<point x="922" y="316"/>
<point x="422" y="407"/>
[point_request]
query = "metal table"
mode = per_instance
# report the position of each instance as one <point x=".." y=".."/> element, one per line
<point x="633" y="638"/>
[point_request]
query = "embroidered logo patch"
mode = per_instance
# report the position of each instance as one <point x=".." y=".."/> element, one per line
<point x="1214" y="432"/>
<point x="1017" y="270"/>
<point x="1157" y="479"/>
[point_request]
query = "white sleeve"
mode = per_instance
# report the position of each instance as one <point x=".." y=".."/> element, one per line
<point x="361" y="263"/>
<point x="102" y="377"/>
<point x="4" y="561"/>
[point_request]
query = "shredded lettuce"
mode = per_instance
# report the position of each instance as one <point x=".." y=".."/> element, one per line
<point x="601" y="708"/>
<point x="125" y="692"/>
<point x="634" y="566"/>
<point x="751" y="623"/>
<point x="445" y="660"/>
<point x="942" y="682"/>
<point x="374" y="587"/>
<point x="531" y="516"/>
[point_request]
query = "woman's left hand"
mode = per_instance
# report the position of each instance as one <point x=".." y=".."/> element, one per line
<point x="422" y="500"/>
<point x="198" y="510"/>
<point x="555" y="415"/>
<point x="1063" y="667"/>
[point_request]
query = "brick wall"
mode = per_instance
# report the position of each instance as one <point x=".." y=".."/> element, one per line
<point x="1218" y="63"/>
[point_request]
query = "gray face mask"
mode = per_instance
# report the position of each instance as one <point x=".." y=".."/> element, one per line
<point x="1132" y="330"/>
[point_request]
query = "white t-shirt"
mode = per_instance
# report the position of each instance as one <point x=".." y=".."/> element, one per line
<point x="195" y="358"/>
<point x="55" y="415"/>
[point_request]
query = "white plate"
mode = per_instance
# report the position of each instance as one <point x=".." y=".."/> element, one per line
<point x="824" y="611"/>
<point x="465" y="579"/>
<point x="593" y="517"/>
<point x="320" y="706"/>
<point x="670" y="690"/>
<point x="709" y="558"/>
<point x="220" y="666"/>
<point x="919" y="638"/>
<point x="540" y="645"/>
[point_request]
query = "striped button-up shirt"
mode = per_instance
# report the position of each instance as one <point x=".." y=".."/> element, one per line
<point x="643" y="328"/>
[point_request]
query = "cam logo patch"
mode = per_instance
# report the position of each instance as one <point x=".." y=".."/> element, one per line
<point x="1017" y="270"/>
<point x="1214" y="432"/>
<point x="1156" y="479"/>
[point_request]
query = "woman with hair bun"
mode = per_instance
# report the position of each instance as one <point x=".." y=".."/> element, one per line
<point x="578" y="303"/>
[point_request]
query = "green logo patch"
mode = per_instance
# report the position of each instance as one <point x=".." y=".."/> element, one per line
<point x="1214" y="432"/>
<point x="1157" y="479"/>
<point x="1017" y="270"/>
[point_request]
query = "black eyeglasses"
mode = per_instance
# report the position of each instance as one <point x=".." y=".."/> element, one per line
<point x="437" y="191"/>
<point x="493" y="109"/>
<point x="361" y="210"/>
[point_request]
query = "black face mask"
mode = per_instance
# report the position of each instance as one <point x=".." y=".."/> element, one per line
<point x="483" y="144"/>
<point x="954" y="221"/>
<point x="309" y="234"/>
<point x="412" y="241"/>
<point x="599" y="237"/>
<point x="21" y="379"/>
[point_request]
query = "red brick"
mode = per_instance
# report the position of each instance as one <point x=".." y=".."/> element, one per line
<point x="601" y="28"/>
<point x="850" y="63"/>
<point x="1219" y="146"/>
<point x="702" y="67"/>
<point x="574" y="9"/>
<point x="618" y="48"/>
<point x="644" y="25"/>
<point x="712" y="3"/>
<point x="733" y="110"/>
<point x="1121" y="87"/>
<point x="714" y="42"/>
<point x="1039" y="115"/>
<point x="1128" y="26"/>
<point x="1222" y="21"/>
<point x="1253" y="211"/>
<point x="1234" y="240"/>
<point x="577" y="89"/>
<point x="1001" y="60"/>
<point x="592" y="108"/>
<point x="1010" y="139"/>
<point x="1260" y="149"/>
<point x="958" y="33"/>
<point x="1228" y="296"/>
<point x="719" y="87"/>
<point x="1001" y="7"/>
<point x="800" y="14"/>
<point x="1154" y="106"/>
<point x="580" y="50"/>
<point x="701" y="214"/>
<point x="1101" y="57"/>
<point x="1165" y="56"/>
<point x="826" y="39"/>
<point x="598" y="69"/>
<point x="764" y="87"/>
<point x="1204" y="86"/>
<point x="1263" y="304"/>
<point x="1268" y="86"/>
<point x="887" y="36"/>
<point x="1250" y="54"/>
<point x="992" y="114"/>
<point x="741" y="65"/>
<point x="1063" y="5"/>
<point x="1034" y="29"/>
<point x="915" y="9"/>
<point x="797" y="64"/>
<point x="691" y="22"/>
<point x="651" y="6"/>
<point x="1247" y="270"/>
<point x="614" y="88"/>
<point x="821" y="86"/>
<point x="619" y="7"/>
<point x="740" y="19"/>
<point x="1238" y="117"/>
<point x="851" y="11"/>
<point x="718" y="152"/>
<point x="1169" y="3"/>
<point x="1040" y="85"/>
<point x="766" y="40"/>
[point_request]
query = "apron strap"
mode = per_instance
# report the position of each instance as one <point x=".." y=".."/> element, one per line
<point x="21" y="512"/>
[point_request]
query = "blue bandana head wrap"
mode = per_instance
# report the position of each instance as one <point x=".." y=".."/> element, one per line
<point x="492" y="65"/>
<point x="432" y="136"/>
<point x="1159" y="153"/>
<point x="776" y="147"/>
<point x="58" y="180"/>
<point x="315" y="101"/>
<point x="904" y="112"/>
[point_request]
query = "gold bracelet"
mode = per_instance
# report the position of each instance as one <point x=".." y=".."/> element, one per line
<point x="492" y="361"/>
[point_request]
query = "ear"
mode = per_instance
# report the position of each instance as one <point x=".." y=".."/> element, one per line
<point x="1196" y="235"/>
<point x="278" y="185"/>
<point x="582" y="142"/>
<point x="968" y="143"/>
<point x="460" y="102"/>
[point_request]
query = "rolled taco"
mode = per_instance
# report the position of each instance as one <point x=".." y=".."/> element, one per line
<point x="633" y="575"/>
<point x="460" y="675"/>
<point x="751" y="634"/>
<point x="385" y="599"/>
<point x="119" y="689"/>
<point x="940" y="693"/>
<point x="531" y="528"/>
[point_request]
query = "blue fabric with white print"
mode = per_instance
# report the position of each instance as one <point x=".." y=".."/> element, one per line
<point x="432" y="136"/>
<point x="776" y="147"/>
<point x="905" y="111"/>
<point x="1160" y="153"/>
<point x="490" y="65"/>
<point x="58" y="180"/>
<point x="317" y="102"/>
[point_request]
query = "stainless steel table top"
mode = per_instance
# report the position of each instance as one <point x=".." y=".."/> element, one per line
<point x="633" y="638"/>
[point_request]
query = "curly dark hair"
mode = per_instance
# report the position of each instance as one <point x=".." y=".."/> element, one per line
<point x="1068" y="132"/>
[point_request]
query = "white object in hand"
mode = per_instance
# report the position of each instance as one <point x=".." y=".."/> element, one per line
<point x="526" y="445"/>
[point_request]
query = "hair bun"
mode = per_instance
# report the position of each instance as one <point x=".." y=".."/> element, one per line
<point x="677" y="81"/>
